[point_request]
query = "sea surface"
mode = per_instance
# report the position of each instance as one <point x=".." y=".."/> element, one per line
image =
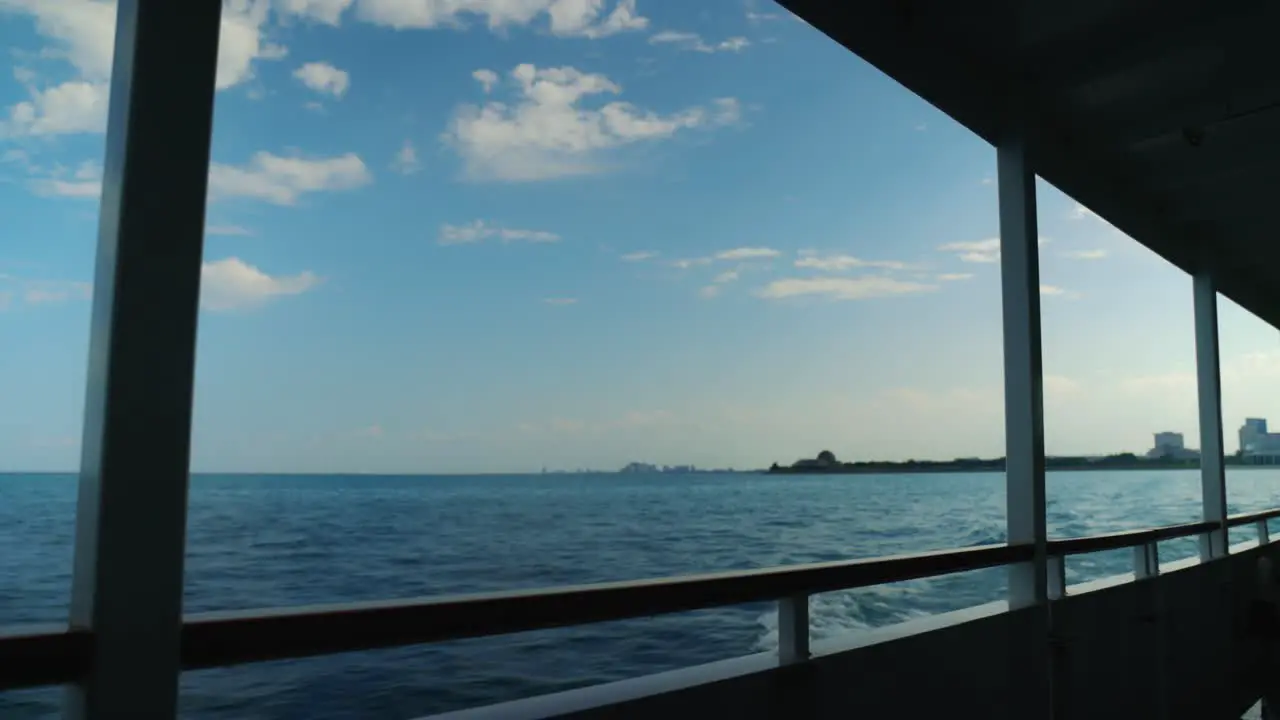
<point x="261" y="541"/>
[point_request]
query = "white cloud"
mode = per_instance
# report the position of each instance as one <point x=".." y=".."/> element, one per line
<point x="83" y="32"/>
<point x="486" y="78"/>
<point x="406" y="160"/>
<point x="324" y="78"/>
<point x="952" y="277"/>
<point x="282" y="180"/>
<point x="757" y="17"/>
<point x="560" y="301"/>
<point x="328" y="12"/>
<point x="709" y="291"/>
<point x="567" y="18"/>
<point x="694" y="42"/>
<point x="547" y="133"/>
<point x="978" y="251"/>
<point x="479" y="231"/>
<point x="1086" y="254"/>
<point x="1080" y="212"/>
<point x="75" y="106"/>
<point x="1051" y="290"/>
<point x="842" y="288"/>
<point x="639" y="256"/>
<point x="686" y="263"/>
<point x="234" y="230"/>
<point x="42" y="292"/>
<point x="727" y="276"/>
<point x="747" y="253"/>
<point x="85" y="182"/>
<point x="838" y="263"/>
<point x="233" y="284"/>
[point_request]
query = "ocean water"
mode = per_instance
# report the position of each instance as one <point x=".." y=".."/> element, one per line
<point x="259" y="541"/>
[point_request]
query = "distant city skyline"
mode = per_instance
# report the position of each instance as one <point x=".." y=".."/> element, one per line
<point x="470" y="239"/>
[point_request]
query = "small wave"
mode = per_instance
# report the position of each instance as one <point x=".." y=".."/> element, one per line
<point x="837" y="614"/>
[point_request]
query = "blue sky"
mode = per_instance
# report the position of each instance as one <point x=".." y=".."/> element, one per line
<point x="493" y="235"/>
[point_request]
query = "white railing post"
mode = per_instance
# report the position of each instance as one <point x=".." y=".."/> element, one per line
<point x="1213" y="481"/>
<point x="1264" y="535"/>
<point x="127" y="580"/>
<point x="1146" y="561"/>
<point x="793" y="629"/>
<point x="1057" y="580"/>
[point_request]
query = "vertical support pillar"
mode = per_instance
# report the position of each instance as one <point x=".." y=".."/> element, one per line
<point x="793" y="629"/>
<point x="131" y="514"/>
<point x="1213" y="480"/>
<point x="1264" y="535"/>
<point x="1033" y="656"/>
<point x="1023" y="375"/>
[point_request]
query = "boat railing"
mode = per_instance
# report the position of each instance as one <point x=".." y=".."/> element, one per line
<point x="55" y="655"/>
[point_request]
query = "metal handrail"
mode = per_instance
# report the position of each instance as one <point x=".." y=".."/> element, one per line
<point x="1253" y="517"/>
<point x="45" y="655"/>
<point x="59" y="655"/>
<point x="219" y="639"/>
<point x="1126" y="538"/>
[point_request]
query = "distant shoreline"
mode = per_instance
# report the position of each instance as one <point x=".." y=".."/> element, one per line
<point x="1093" y="467"/>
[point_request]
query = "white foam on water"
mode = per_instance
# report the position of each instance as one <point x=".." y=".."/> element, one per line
<point x="837" y="614"/>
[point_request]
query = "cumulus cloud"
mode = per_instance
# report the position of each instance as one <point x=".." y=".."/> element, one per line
<point x="83" y="33"/>
<point x="694" y="42"/>
<point x="323" y="78"/>
<point x="549" y="133"/>
<point x="843" y="288"/>
<point x="839" y="263"/>
<point x="406" y="159"/>
<point x="480" y="230"/>
<point x="233" y="284"/>
<point x="282" y="180"/>
<point x="566" y="18"/>
<point x="952" y="277"/>
<point x="639" y="256"/>
<point x="72" y="107"/>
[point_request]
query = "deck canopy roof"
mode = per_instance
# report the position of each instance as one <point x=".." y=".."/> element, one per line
<point x="1161" y="116"/>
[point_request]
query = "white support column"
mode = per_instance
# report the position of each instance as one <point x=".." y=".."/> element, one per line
<point x="1213" y="481"/>
<point x="1029" y="583"/>
<point x="1264" y="535"/>
<point x="131" y="517"/>
<point x="1023" y="381"/>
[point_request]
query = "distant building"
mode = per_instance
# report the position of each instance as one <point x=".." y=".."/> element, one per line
<point x="1257" y="445"/>
<point x="825" y="459"/>
<point x="639" y="467"/>
<point x="1170" y="446"/>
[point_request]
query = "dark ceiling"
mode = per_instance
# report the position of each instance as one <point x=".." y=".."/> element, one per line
<point x="1161" y="117"/>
